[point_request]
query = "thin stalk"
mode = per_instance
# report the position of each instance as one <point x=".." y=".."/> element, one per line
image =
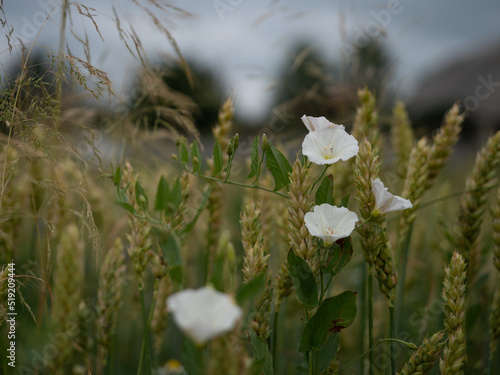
<point x="402" y="272"/>
<point x="238" y="184"/>
<point x="392" y="344"/>
<point x="320" y="177"/>
<point x="62" y="41"/>
<point x="4" y="170"/>
<point x="275" y="341"/>
<point x="323" y="291"/>
<point x="259" y="169"/>
<point x="362" y="331"/>
<point x="498" y="356"/>
<point x="146" y="331"/>
<point x="370" y="318"/>
<point x="407" y="344"/>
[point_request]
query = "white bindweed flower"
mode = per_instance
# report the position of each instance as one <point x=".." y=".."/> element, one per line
<point x="329" y="145"/>
<point x="385" y="201"/>
<point x="203" y="313"/>
<point x="317" y="123"/>
<point x="330" y="223"/>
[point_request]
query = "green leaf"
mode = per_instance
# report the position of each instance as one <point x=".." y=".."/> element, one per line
<point x="171" y="250"/>
<point x="254" y="157"/>
<point x="324" y="194"/>
<point x="196" y="153"/>
<point x="303" y="280"/>
<point x="251" y="290"/>
<point x="184" y="153"/>
<point x="339" y="254"/>
<point x="263" y="357"/>
<point x="140" y="196"/>
<point x="192" y="357"/>
<point x="170" y="247"/>
<point x="122" y="193"/>
<point x="176" y="275"/>
<point x="126" y="206"/>
<point x="162" y="192"/>
<point x="218" y="160"/>
<point x="333" y="315"/>
<point x="327" y="353"/>
<point x="117" y="176"/>
<point x="344" y="201"/>
<point x="174" y="197"/>
<point x="217" y="279"/>
<point x="203" y="204"/>
<point x="279" y="167"/>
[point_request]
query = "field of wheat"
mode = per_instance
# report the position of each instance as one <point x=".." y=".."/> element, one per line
<point x="131" y="242"/>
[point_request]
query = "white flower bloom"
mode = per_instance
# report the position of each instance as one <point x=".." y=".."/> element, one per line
<point x="329" y="145"/>
<point x="203" y="313"/>
<point x="385" y="201"/>
<point x="317" y="123"/>
<point x="330" y="223"/>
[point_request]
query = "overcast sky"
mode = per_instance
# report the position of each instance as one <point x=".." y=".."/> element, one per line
<point x="247" y="41"/>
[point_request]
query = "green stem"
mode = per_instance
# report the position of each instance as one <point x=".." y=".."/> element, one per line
<point x="364" y="222"/>
<point x="259" y="169"/>
<point x="325" y="290"/>
<point x="363" y="294"/>
<point x="275" y="342"/>
<point x="407" y="344"/>
<point x="402" y="271"/>
<point x="229" y="166"/>
<point x="320" y="177"/>
<point x="4" y="169"/>
<point x="146" y="331"/>
<point x="370" y="317"/>
<point x="392" y="344"/>
<point x="498" y="356"/>
<point x="62" y="41"/>
<point x="238" y="184"/>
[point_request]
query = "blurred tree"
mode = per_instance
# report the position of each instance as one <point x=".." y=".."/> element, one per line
<point x="310" y="85"/>
<point x="181" y="101"/>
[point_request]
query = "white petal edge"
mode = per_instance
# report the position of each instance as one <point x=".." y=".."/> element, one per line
<point x="387" y="202"/>
<point x="343" y="145"/>
<point x="204" y="313"/>
<point x="330" y="223"/>
<point x="317" y="123"/>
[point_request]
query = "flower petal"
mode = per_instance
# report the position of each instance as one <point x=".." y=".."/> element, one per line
<point x="317" y="123"/>
<point x="330" y="223"/>
<point x="203" y="313"/>
<point x="387" y="202"/>
<point x="329" y="145"/>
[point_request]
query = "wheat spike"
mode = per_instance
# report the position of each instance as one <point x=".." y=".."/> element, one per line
<point x="422" y="360"/>
<point x="454" y="354"/>
<point x="402" y="137"/>
<point x="300" y="203"/>
<point x="366" y="168"/>
<point x="472" y="203"/>
<point x="443" y="142"/>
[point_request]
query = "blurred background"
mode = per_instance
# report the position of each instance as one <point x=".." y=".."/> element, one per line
<point x="281" y="59"/>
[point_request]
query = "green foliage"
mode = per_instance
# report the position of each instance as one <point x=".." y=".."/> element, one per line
<point x="324" y="194"/>
<point x="333" y="315"/>
<point x="303" y="279"/>
<point x="279" y="167"/>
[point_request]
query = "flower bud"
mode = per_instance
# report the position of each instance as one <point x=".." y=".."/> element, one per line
<point x="264" y="145"/>
<point x="230" y="149"/>
<point x="236" y="141"/>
